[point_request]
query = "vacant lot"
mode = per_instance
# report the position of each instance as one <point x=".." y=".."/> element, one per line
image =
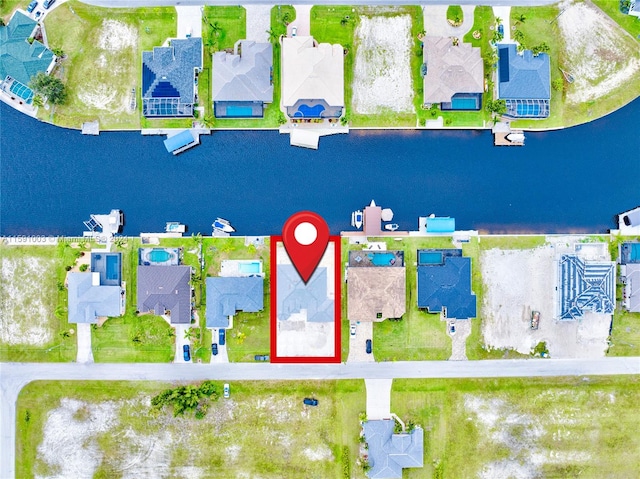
<point x="101" y="429"/>
<point x="525" y="427"/>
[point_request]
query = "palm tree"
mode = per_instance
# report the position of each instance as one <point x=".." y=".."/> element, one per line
<point x="37" y="101"/>
<point x="273" y="36"/>
<point x="215" y="28"/>
<point x="498" y="20"/>
<point x="522" y="18"/>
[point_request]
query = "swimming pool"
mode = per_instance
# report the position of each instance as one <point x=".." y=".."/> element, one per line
<point x="382" y="259"/>
<point x="239" y="111"/>
<point x="158" y="255"/>
<point x="635" y="253"/>
<point x="429" y="257"/>
<point x="249" y="268"/>
<point x="113" y="267"/>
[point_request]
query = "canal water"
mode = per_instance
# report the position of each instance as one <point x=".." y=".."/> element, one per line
<point x="572" y="180"/>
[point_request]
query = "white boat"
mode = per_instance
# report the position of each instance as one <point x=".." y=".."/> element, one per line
<point x="391" y="226"/>
<point x="175" y="227"/>
<point x="223" y="225"/>
<point x="515" y="137"/>
<point x="356" y="219"/>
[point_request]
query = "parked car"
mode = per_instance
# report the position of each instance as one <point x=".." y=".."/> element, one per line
<point x="221" y="337"/>
<point x="452" y="328"/>
<point x="353" y="330"/>
<point x="310" y="402"/>
<point x="369" y="346"/>
<point x="214" y="349"/>
<point x="261" y="357"/>
<point x="48" y="3"/>
<point x="38" y="14"/>
<point x="186" y="352"/>
<point x="225" y="391"/>
<point x="294" y="31"/>
<point x="32" y="6"/>
<point x="501" y="29"/>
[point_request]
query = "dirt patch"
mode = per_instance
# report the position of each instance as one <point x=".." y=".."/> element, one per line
<point x="320" y="453"/>
<point x="26" y="307"/>
<point x="600" y="55"/>
<point x="382" y="78"/>
<point x="115" y="36"/>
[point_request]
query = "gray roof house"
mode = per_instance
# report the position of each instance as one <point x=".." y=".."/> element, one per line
<point x="294" y="295"/>
<point x="389" y="453"/>
<point x="524" y="81"/>
<point x="243" y="80"/>
<point x="165" y="290"/>
<point x="169" y="87"/>
<point x="634" y="8"/>
<point x="19" y="59"/>
<point x="454" y="73"/>
<point x="228" y="295"/>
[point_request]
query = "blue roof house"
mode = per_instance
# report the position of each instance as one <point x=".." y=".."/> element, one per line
<point x="169" y="87"/>
<point x="524" y="81"/>
<point x="389" y="453"/>
<point x="21" y="60"/>
<point x="444" y="283"/>
<point x="228" y="295"/>
<point x="294" y="295"/>
<point x="243" y="80"/>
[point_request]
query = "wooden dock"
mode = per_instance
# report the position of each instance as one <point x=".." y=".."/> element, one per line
<point x="500" y="138"/>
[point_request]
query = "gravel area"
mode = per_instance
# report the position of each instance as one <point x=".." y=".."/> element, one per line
<point x="459" y="340"/>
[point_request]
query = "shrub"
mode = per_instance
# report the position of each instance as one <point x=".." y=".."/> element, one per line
<point x="557" y="84"/>
<point x="346" y="465"/>
<point x="84" y="267"/>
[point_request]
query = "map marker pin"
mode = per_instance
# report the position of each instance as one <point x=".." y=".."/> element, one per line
<point x="305" y="236"/>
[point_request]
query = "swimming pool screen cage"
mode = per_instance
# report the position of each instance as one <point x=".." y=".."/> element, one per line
<point x="527" y="108"/>
<point x="163" y="107"/>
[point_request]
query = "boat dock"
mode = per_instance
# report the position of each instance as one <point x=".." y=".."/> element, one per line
<point x="182" y="141"/>
<point x="91" y="128"/>
<point x="503" y="135"/>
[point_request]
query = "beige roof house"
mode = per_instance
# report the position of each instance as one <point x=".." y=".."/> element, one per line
<point x="312" y="78"/>
<point x="375" y="294"/>
<point x="451" y="69"/>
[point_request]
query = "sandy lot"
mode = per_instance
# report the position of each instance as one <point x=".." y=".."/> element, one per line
<point x="600" y="54"/>
<point x="382" y="77"/>
<point x="519" y="281"/>
<point x="26" y="298"/>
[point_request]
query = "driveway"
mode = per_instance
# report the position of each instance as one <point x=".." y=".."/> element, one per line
<point x="378" y="398"/>
<point x="357" y="343"/>
<point x="83" y="333"/>
<point x="436" y="24"/>
<point x="189" y="21"/>
<point x="223" y="355"/>
<point x="459" y="339"/>
<point x="302" y="21"/>
<point x="180" y="341"/>
<point x="258" y="22"/>
<point x="504" y="13"/>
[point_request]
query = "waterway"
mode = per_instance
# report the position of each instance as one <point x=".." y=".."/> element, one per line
<point x="573" y="180"/>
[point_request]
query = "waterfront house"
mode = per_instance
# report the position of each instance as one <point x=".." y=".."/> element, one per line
<point x="99" y="293"/>
<point x="169" y="78"/>
<point x="228" y="295"/>
<point x="454" y="77"/>
<point x="377" y="285"/>
<point x="389" y="453"/>
<point x="312" y="79"/>
<point x="524" y="81"/>
<point x="165" y="290"/>
<point x="630" y="275"/>
<point x="243" y="80"/>
<point x="295" y="296"/>
<point x="444" y="283"/>
<point x="22" y="57"/>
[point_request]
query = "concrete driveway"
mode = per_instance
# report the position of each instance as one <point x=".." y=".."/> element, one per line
<point x="504" y="13"/>
<point x="258" y="22"/>
<point x="222" y="356"/>
<point x="180" y="342"/>
<point x="302" y="21"/>
<point x="83" y="333"/>
<point x="378" y="398"/>
<point x="436" y="24"/>
<point x="357" y="343"/>
<point x="189" y="21"/>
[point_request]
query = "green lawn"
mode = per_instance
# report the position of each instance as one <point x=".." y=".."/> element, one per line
<point x="264" y="429"/>
<point x="454" y="13"/>
<point x="625" y="334"/>
<point x="560" y="427"/>
<point x="512" y="242"/>
<point x="99" y="79"/>
<point x="35" y="303"/>
<point x="612" y="8"/>
<point x="7" y="7"/>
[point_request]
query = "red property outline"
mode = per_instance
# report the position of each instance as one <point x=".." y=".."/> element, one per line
<point x="336" y="358"/>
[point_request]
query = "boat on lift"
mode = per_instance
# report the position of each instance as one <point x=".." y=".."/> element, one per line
<point x="175" y="227"/>
<point x="356" y="219"/>
<point x="222" y="225"/>
<point x="391" y="226"/>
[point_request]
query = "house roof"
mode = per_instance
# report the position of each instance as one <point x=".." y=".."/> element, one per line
<point x="632" y="287"/>
<point x="376" y="290"/>
<point x="19" y="59"/>
<point x="634" y="8"/>
<point x="389" y="453"/>
<point x="372" y="220"/>
<point x="294" y="295"/>
<point x="168" y="72"/>
<point x="447" y="285"/>
<point x="451" y="69"/>
<point x="88" y="301"/>
<point x="585" y="285"/>
<point x="523" y="77"/>
<point x="244" y="76"/>
<point x="165" y="288"/>
<point x="227" y="295"/>
<point x="175" y="142"/>
<point x="312" y="71"/>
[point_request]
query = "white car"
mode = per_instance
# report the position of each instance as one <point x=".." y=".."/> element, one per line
<point x="353" y="330"/>
<point x="294" y="31"/>
<point x="225" y="392"/>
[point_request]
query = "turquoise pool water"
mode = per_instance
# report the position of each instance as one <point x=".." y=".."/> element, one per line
<point x="429" y="257"/>
<point x="113" y="269"/>
<point x="159" y="255"/>
<point x="464" y="104"/>
<point x="239" y="111"/>
<point x="249" y="268"/>
<point x="382" y="259"/>
<point x="635" y="252"/>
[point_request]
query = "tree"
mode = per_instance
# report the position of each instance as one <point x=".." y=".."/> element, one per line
<point x="50" y="87"/>
<point x="522" y="18"/>
<point x="273" y="36"/>
<point x="499" y="107"/>
<point x="518" y="36"/>
<point x="498" y="20"/>
<point x="58" y="52"/>
<point x="37" y="101"/>
<point x="538" y="49"/>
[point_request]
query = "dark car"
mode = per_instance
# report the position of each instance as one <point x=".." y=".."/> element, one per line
<point x="32" y="6"/>
<point x="368" y="346"/>
<point x="501" y="29"/>
<point x="186" y="352"/>
<point x="261" y="357"/>
<point x="214" y="349"/>
<point x="310" y="402"/>
<point x="221" y="337"/>
<point x="452" y="329"/>
<point x="48" y="3"/>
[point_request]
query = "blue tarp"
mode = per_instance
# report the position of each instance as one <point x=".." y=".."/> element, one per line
<point x="441" y="225"/>
<point x="178" y="141"/>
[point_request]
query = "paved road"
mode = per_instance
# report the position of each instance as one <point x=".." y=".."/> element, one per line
<point x="14" y="376"/>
